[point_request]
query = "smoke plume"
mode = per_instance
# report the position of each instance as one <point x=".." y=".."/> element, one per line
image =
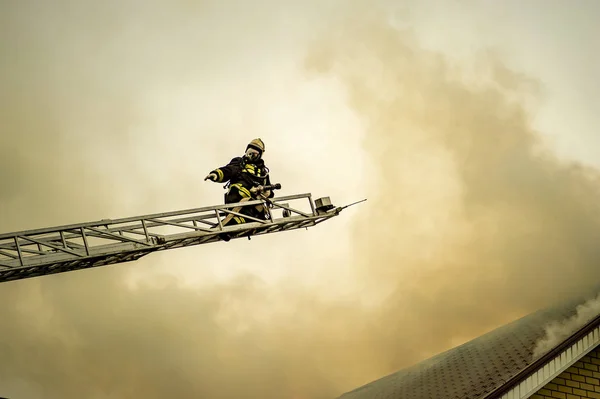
<point x="559" y="330"/>
<point x="471" y="220"/>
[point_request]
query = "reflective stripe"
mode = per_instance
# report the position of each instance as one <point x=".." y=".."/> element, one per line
<point x="220" y="174"/>
<point x="253" y="170"/>
<point x="243" y="190"/>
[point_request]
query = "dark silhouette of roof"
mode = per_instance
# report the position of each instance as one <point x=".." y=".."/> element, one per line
<point x="472" y="370"/>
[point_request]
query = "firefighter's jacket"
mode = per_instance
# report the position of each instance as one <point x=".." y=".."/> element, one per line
<point x="242" y="176"/>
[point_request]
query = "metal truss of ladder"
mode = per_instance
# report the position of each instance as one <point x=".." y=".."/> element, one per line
<point x="61" y="249"/>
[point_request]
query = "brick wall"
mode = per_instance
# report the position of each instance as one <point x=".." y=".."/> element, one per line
<point x="580" y="381"/>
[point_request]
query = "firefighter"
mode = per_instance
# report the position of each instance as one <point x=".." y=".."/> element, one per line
<point x="245" y="176"/>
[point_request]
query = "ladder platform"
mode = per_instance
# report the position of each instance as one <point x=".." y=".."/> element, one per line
<point x="39" y="252"/>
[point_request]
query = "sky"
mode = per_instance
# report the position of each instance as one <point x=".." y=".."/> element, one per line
<point x="470" y="126"/>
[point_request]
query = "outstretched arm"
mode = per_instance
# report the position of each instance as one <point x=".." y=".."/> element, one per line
<point x="224" y="173"/>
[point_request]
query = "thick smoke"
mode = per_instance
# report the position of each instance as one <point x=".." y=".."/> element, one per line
<point x="473" y="221"/>
<point x="470" y="222"/>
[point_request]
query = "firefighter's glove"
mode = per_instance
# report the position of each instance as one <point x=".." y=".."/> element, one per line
<point x="211" y="176"/>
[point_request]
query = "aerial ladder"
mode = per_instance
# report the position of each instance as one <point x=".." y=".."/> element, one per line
<point x="60" y="249"/>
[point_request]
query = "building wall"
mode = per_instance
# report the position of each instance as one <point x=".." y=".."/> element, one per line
<point x="580" y="381"/>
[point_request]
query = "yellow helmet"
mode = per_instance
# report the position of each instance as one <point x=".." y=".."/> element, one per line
<point x="257" y="144"/>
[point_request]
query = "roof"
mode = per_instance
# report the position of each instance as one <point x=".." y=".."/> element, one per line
<point x="475" y="369"/>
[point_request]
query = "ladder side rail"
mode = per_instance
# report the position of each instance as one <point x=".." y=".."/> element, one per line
<point x="125" y="252"/>
<point x="105" y="222"/>
<point x="290" y="223"/>
<point x="108" y="241"/>
<point x="68" y="234"/>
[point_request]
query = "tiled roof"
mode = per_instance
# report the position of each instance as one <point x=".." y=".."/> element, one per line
<point x="472" y="370"/>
